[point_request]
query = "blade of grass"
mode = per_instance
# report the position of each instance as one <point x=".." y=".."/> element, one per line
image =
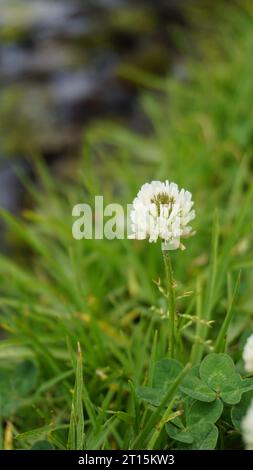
<point x="135" y="407"/>
<point x="210" y="292"/>
<point x="76" y="426"/>
<point x="38" y="433"/>
<point x="199" y="314"/>
<point x="220" y="344"/>
<point x="160" y="426"/>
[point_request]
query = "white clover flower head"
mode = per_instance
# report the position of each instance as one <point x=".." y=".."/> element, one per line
<point x="247" y="428"/>
<point x="162" y="211"/>
<point x="248" y="354"/>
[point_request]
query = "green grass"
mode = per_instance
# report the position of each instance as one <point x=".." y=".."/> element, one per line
<point x="85" y="317"/>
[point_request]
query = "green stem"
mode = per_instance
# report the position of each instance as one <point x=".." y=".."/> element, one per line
<point x="159" y="427"/>
<point x="170" y="286"/>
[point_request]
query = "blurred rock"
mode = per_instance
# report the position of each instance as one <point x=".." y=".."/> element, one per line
<point x="12" y="200"/>
<point x="48" y="58"/>
<point x="60" y="65"/>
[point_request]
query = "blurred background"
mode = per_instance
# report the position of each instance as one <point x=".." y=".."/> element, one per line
<point x="65" y="63"/>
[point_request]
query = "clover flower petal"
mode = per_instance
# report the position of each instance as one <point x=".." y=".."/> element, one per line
<point x="247" y="428"/>
<point x="248" y="354"/>
<point x="161" y="211"/>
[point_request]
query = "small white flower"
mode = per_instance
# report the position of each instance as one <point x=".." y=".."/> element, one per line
<point x="162" y="211"/>
<point x="248" y="354"/>
<point x="247" y="428"/>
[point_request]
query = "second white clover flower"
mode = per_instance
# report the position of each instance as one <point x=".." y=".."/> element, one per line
<point x="248" y="354"/>
<point x="247" y="428"/>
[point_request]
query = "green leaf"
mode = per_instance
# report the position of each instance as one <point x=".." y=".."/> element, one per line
<point x="164" y="375"/>
<point x="204" y="435"/>
<point x="152" y="395"/>
<point x="217" y="370"/>
<point x="198" y="416"/>
<point x="16" y="386"/>
<point x="181" y="435"/>
<point x="42" y="445"/>
<point x="246" y="385"/>
<point x="125" y="417"/>
<point x="40" y="432"/>
<point x="239" y="411"/>
<point x="197" y="412"/>
<point x="8" y="407"/>
<point x="165" y="372"/>
<point x="25" y="377"/>
<point x="196" y="388"/>
<point x="232" y="391"/>
<point x="201" y="435"/>
<point x="154" y="418"/>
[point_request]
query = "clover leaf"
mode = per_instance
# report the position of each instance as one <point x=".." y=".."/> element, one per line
<point x="204" y="435"/>
<point x="153" y="396"/>
<point x="216" y="378"/>
<point x="196" y="388"/>
<point x="165" y="373"/>
<point x="197" y="411"/>
<point x="200" y="436"/>
<point x="216" y="369"/>
<point x="16" y="386"/>
<point x="198" y="428"/>
<point x="218" y="372"/>
<point x="181" y="434"/>
<point x="42" y="445"/>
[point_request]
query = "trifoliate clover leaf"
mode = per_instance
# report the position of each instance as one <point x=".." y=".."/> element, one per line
<point x="216" y="378"/>
<point x="197" y="411"/>
<point x="218" y="372"/>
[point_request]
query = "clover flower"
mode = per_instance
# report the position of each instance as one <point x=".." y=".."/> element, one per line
<point x="248" y="354"/>
<point x="247" y="428"/>
<point x="162" y="211"/>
